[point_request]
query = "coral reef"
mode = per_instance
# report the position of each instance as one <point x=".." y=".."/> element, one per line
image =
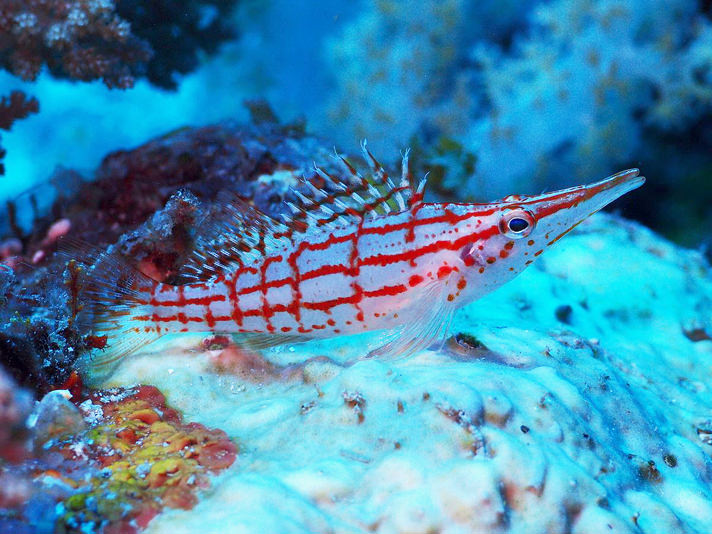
<point x="112" y="41"/>
<point x="391" y="59"/>
<point x="532" y="95"/>
<point x="116" y="42"/>
<point x="109" y="462"/>
<point x="574" y="399"/>
<point x="562" y="107"/>
<point x="83" y="40"/>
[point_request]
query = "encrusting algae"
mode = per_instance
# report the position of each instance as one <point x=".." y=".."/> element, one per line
<point x="133" y="458"/>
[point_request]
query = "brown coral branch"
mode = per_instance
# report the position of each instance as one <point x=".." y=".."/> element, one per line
<point x="79" y="39"/>
<point x="17" y="106"/>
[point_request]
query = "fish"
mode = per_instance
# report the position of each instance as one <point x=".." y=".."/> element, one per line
<point x="356" y="253"/>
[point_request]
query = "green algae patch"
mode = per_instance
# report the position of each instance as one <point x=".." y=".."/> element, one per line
<point x="143" y="459"/>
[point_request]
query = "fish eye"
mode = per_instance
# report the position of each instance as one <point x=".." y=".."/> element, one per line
<point x="517" y="223"/>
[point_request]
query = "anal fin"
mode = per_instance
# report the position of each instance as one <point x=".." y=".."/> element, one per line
<point x="258" y="341"/>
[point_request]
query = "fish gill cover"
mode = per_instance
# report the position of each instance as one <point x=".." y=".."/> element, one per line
<point x="574" y="399"/>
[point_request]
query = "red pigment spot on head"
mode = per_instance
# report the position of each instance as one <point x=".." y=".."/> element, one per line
<point x="491" y="259"/>
<point x="529" y="262"/>
<point x="461" y="284"/>
<point x="330" y="322"/>
<point x="481" y="247"/>
<point x="503" y="253"/>
<point x="444" y="271"/>
<point x="286" y="329"/>
<point x="538" y="252"/>
<point x="482" y="269"/>
<point x="509" y="245"/>
<point x="450" y="298"/>
<point x="415" y="280"/>
<point x="530" y="242"/>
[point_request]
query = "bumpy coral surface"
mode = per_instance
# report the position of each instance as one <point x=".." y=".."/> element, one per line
<point x="574" y="399"/>
<point x="110" y="462"/>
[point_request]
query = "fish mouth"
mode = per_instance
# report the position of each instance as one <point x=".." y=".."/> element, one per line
<point x="598" y="195"/>
<point x="619" y="184"/>
<point x="585" y="199"/>
<point x="569" y="207"/>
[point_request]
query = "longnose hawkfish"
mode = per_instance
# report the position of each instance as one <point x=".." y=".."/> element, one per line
<point x="359" y="254"/>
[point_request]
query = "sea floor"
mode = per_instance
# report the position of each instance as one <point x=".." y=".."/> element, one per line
<point x="574" y="399"/>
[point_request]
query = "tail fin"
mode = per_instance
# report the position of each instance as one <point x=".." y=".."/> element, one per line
<point x="109" y="298"/>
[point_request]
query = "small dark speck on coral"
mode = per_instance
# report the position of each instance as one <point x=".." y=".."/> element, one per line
<point x="563" y="313"/>
<point x="670" y="460"/>
<point x="524" y="429"/>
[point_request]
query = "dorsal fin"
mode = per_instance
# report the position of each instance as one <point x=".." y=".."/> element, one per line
<point x="235" y="233"/>
<point x="332" y="199"/>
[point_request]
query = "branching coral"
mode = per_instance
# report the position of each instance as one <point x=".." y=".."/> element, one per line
<point x="535" y="94"/>
<point x="384" y="80"/>
<point x="115" y="41"/>
<point x="17" y="106"/>
<point x="82" y="39"/>
<point x="561" y="106"/>
<point x="400" y="71"/>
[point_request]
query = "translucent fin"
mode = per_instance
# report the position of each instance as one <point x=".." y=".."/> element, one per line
<point x="431" y="324"/>
<point x="234" y="234"/>
<point x="113" y="303"/>
<point x="265" y="341"/>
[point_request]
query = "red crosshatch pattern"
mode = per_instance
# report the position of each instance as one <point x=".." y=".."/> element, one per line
<point x="324" y="279"/>
<point x="171" y="304"/>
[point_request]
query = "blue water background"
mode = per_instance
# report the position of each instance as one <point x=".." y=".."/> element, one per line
<point x="541" y="94"/>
